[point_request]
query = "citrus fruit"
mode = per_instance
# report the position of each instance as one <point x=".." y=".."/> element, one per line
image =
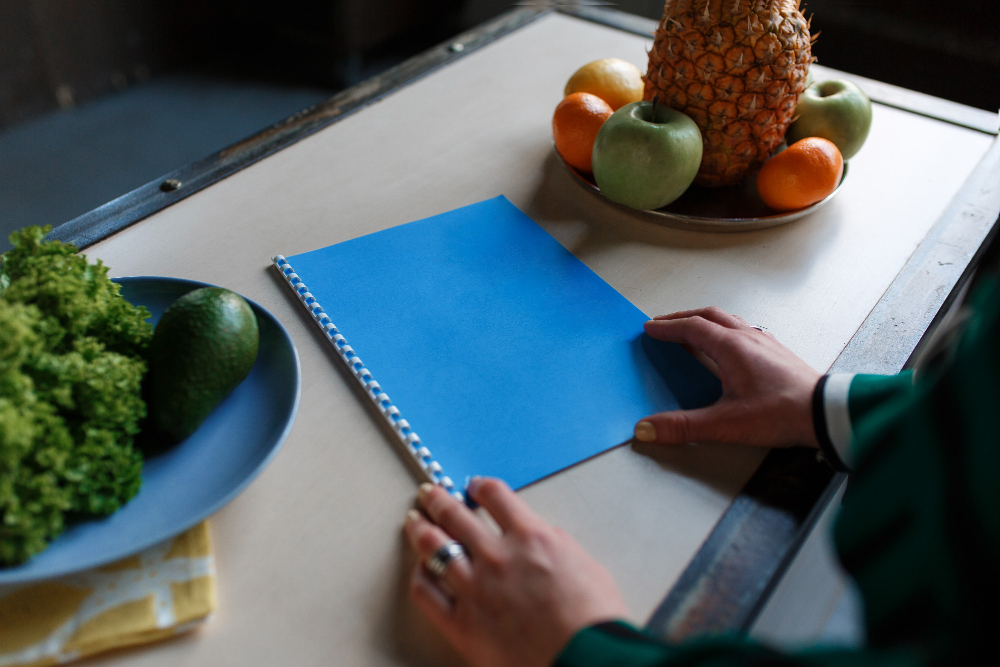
<point x="614" y="80"/>
<point x="802" y="174"/>
<point x="574" y="127"/>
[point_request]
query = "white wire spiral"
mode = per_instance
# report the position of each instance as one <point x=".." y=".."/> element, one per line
<point x="409" y="440"/>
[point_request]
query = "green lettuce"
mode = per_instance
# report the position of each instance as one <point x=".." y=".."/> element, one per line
<point x="71" y="368"/>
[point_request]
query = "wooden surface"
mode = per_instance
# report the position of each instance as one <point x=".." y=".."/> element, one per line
<point x="311" y="561"/>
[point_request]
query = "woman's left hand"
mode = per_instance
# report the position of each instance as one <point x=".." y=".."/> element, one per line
<point x="518" y="597"/>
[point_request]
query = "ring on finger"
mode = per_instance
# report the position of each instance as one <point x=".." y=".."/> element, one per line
<point x="438" y="563"/>
<point x="759" y="328"/>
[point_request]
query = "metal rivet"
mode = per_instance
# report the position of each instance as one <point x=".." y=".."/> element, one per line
<point x="456" y="47"/>
<point x="170" y="185"/>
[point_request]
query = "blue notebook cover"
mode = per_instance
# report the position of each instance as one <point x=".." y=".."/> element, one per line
<point x="489" y="348"/>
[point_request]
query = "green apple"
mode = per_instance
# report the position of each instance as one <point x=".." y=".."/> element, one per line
<point x="836" y="110"/>
<point x="646" y="157"/>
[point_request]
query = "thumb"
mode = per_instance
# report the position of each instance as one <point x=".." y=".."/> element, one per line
<point x="678" y="427"/>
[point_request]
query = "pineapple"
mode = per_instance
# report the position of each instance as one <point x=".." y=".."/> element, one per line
<point x="737" y="67"/>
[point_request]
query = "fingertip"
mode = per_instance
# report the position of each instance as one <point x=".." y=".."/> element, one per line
<point x="661" y="323"/>
<point x="652" y="327"/>
<point x="470" y="493"/>
<point x="432" y="497"/>
<point x="424" y="490"/>
<point x="678" y="427"/>
<point x="500" y="501"/>
<point x="645" y="431"/>
<point x="411" y="526"/>
<point x="488" y="485"/>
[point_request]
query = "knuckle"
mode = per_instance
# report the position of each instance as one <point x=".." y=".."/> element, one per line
<point x="536" y="536"/>
<point x="699" y="322"/>
<point x="677" y="428"/>
<point x="426" y="541"/>
<point x="437" y="502"/>
<point x="495" y="561"/>
<point x="449" y="514"/>
<point x="560" y="534"/>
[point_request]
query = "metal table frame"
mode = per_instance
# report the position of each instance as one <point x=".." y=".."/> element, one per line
<point x="730" y="579"/>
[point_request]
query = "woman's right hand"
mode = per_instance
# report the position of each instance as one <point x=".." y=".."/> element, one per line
<point x="766" y="389"/>
<point x="520" y="595"/>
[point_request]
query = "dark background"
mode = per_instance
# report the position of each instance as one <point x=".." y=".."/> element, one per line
<point x="98" y="97"/>
<point x="59" y="53"/>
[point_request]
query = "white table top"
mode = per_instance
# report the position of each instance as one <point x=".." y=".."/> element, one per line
<point x="312" y="566"/>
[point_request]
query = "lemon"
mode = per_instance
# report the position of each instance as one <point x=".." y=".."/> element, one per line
<point x="614" y="80"/>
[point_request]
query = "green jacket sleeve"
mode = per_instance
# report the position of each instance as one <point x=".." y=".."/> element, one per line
<point x="869" y="392"/>
<point x="919" y="529"/>
<point x="875" y="398"/>
<point x="842" y="402"/>
<point x="619" y="644"/>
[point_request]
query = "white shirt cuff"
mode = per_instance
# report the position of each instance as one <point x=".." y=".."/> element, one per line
<point x="838" y="418"/>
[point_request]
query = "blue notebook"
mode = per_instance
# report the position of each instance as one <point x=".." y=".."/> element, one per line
<point x="489" y="348"/>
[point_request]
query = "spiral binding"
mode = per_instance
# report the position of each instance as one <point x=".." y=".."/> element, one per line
<point x="400" y="427"/>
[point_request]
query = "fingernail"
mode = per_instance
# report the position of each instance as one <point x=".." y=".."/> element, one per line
<point x="411" y="516"/>
<point x="645" y="431"/>
<point x="471" y="489"/>
<point x="424" y="489"/>
<point x="473" y="485"/>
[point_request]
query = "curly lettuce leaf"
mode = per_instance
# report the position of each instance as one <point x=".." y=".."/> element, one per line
<point x="71" y="369"/>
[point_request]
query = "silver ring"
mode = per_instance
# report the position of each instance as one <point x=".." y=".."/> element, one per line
<point x="758" y="328"/>
<point x="442" y="558"/>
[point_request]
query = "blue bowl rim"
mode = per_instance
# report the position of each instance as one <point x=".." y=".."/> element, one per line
<point x="23" y="573"/>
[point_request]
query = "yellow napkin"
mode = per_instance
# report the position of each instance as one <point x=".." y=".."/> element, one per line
<point x="157" y="593"/>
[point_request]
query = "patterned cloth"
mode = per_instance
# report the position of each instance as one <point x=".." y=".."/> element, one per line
<point x="162" y="591"/>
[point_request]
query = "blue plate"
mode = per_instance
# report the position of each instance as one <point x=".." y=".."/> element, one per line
<point x="199" y="476"/>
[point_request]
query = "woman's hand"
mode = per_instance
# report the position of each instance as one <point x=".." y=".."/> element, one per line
<point x="518" y="597"/>
<point x="766" y="390"/>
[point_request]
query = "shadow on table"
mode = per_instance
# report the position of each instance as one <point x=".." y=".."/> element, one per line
<point x="413" y="639"/>
<point x="590" y="225"/>
<point x="725" y="468"/>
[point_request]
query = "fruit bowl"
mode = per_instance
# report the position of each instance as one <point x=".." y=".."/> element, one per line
<point x="731" y="209"/>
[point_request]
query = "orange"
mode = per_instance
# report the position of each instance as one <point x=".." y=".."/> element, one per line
<point x="574" y="127"/>
<point x="802" y="174"/>
<point x="614" y="80"/>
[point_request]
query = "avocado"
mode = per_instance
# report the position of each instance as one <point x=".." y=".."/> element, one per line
<point x="203" y="346"/>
